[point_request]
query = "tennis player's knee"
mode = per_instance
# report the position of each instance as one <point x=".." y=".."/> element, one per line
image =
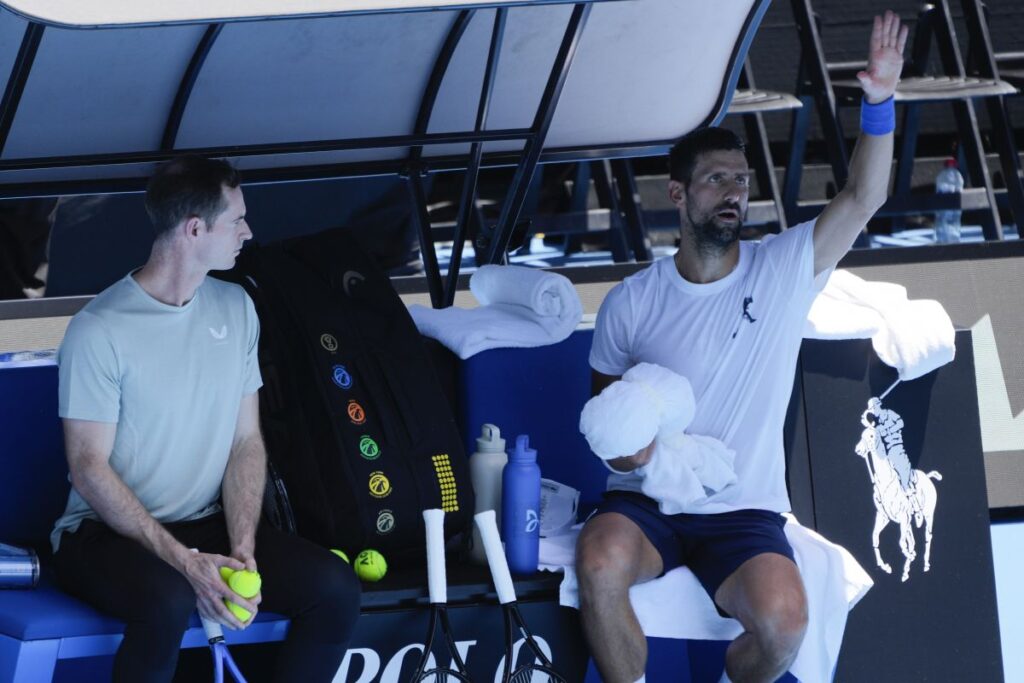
<point x="605" y="563"/>
<point x="169" y="608"/>
<point x="340" y="598"/>
<point x="780" y="627"/>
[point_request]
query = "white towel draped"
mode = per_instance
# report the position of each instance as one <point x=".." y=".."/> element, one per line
<point x="913" y="336"/>
<point x="520" y="307"/>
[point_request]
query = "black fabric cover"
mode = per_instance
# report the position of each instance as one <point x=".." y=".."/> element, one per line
<point x="355" y="419"/>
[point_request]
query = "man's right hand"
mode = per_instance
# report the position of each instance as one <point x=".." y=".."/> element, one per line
<point x="203" y="571"/>
<point x="628" y="463"/>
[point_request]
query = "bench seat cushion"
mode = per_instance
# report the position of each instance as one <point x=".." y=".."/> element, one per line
<point x="45" y="612"/>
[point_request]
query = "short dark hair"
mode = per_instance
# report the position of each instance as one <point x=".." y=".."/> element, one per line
<point x="683" y="156"/>
<point x="188" y="186"/>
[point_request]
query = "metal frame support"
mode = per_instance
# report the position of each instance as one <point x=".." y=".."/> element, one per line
<point x="760" y="153"/>
<point x="982" y="61"/>
<point x="497" y="241"/>
<point x="467" y="202"/>
<point x="416" y="170"/>
<point x="188" y="82"/>
<point x="632" y="208"/>
<point x="20" y="71"/>
<point x="967" y="120"/>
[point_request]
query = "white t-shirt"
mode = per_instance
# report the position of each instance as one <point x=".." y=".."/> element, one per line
<point x="736" y="340"/>
<point x="172" y="379"/>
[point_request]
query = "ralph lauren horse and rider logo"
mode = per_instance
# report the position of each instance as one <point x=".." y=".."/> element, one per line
<point x="902" y="495"/>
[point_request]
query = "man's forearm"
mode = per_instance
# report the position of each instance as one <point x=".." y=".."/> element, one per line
<point x="870" y="167"/>
<point x="244" y="480"/>
<point x="116" y="504"/>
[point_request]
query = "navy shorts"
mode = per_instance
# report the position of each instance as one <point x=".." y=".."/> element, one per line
<point x="712" y="546"/>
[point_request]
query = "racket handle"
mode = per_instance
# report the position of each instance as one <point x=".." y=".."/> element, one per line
<point x="486" y="522"/>
<point x="212" y="629"/>
<point x="437" y="579"/>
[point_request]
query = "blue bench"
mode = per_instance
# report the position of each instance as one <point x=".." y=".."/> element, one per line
<point x="533" y="391"/>
<point x="42" y="626"/>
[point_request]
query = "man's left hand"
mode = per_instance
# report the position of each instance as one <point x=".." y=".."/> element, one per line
<point x="885" y="58"/>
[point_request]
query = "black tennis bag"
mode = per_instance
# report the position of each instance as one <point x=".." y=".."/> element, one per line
<point x="356" y="423"/>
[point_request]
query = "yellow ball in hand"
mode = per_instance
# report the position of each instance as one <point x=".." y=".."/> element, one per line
<point x="370" y="565"/>
<point x="245" y="583"/>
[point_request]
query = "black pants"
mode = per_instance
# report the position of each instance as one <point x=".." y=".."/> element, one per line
<point x="307" y="583"/>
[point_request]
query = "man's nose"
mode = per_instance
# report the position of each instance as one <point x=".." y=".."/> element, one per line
<point x="246" y="232"/>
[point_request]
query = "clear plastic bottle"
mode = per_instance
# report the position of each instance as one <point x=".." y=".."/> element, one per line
<point x="947" y="223"/>
<point x="485" y="468"/>
<point x="520" y="508"/>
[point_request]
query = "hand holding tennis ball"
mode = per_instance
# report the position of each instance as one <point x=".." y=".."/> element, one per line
<point x="370" y="565"/>
<point x="245" y="583"/>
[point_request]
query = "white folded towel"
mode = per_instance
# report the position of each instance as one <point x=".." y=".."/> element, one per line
<point x="519" y="307"/>
<point x="915" y="337"/>
<point x="677" y="606"/>
<point x="653" y="404"/>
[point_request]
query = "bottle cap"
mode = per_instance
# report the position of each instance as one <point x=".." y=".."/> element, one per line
<point x="490" y="440"/>
<point x="950" y="163"/>
<point x="523" y="452"/>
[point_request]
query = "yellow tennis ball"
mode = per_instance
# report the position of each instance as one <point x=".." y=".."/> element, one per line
<point x="225" y="573"/>
<point x="340" y="554"/>
<point x="245" y="583"/>
<point x="370" y="565"/>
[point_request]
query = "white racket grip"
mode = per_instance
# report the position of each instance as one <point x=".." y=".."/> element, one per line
<point x="487" y="523"/>
<point x="437" y="579"/>
<point x="212" y="629"/>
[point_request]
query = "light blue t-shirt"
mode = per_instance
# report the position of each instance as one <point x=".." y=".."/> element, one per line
<point x="172" y="379"/>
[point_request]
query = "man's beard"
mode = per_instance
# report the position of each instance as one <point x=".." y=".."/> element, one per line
<point x="713" y="238"/>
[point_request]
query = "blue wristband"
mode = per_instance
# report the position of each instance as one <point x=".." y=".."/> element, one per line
<point x="878" y="119"/>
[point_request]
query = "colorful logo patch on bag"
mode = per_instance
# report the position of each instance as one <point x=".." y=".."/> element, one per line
<point x="341" y="377"/>
<point x="368" y="448"/>
<point x="446" y="480"/>
<point x="329" y="342"/>
<point x="356" y="413"/>
<point x="380" y="487"/>
<point x="385" y="522"/>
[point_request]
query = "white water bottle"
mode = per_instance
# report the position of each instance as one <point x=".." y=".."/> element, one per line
<point x="485" y="468"/>
<point x="947" y="223"/>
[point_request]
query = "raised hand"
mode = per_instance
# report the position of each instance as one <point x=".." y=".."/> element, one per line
<point x="885" y="58"/>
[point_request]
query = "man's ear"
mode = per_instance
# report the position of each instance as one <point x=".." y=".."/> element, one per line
<point x="193" y="226"/>
<point x="677" y="193"/>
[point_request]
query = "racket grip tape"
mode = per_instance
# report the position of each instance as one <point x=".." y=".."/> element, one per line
<point x="212" y="629"/>
<point x="486" y="522"/>
<point x="437" y="579"/>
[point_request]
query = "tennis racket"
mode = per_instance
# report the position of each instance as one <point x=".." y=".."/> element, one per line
<point x="219" y="649"/>
<point x="437" y="583"/>
<point x="540" y="670"/>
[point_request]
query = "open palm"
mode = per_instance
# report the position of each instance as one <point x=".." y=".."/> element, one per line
<point x="885" y="58"/>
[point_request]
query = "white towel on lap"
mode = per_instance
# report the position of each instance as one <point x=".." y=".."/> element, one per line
<point x="520" y="307"/>
<point x="677" y="606"/>
<point x="915" y="337"/>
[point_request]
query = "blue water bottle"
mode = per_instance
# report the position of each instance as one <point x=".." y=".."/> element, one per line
<point x="520" y="507"/>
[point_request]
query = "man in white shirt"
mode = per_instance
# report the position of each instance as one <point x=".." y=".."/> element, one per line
<point x="728" y="316"/>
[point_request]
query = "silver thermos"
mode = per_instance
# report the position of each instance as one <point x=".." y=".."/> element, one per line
<point x="19" y="567"/>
